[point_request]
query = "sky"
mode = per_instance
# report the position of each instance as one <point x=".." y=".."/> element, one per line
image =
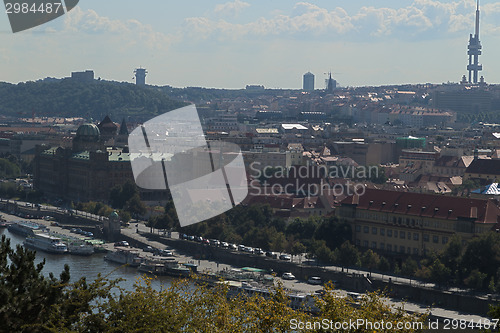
<point x="230" y="44"/>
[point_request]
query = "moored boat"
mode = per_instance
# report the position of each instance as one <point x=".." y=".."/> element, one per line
<point x="124" y="256"/>
<point x="45" y="242"/>
<point x="80" y="248"/>
<point x="25" y="228"/>
<point x="161" y="266"/>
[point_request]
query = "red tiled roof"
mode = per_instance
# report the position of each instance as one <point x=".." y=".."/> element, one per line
<point x="427" y="205"/>
<point x="482" y="166"/>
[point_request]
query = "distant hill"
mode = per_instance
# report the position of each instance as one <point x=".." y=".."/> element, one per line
<point x="68" y="98"/>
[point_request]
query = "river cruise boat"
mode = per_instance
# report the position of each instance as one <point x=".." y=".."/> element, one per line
<point x="25" y="228"/>
<point x="45" y="242"/>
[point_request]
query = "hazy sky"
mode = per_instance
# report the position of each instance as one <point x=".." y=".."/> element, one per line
<point x="270" y="42"/>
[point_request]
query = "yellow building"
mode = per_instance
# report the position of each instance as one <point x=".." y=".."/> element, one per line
<point x="415" y="223"/>
<point x="482" y="169"/>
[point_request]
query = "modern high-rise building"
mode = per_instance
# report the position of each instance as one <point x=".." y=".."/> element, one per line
<point x="140" y="76"/>
<point x="308" y="83"/>
<point x="474" y="51"/>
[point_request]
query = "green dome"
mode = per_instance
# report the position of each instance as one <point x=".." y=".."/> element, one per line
<point x="114" y="215"/>
<point x="88" y="131"/>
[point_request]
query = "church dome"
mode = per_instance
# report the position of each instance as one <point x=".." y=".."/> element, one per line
<point x="88" y="132"/>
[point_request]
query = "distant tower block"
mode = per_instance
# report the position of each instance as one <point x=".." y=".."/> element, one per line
<point x="308" y="84"/>
<point x="474" y="51"/>
<point x="140" y="76"/>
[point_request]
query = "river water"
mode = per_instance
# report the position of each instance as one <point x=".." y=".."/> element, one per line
<point x="87" y="266"/>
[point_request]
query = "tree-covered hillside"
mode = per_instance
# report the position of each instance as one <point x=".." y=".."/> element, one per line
<point x="68" y="98"/>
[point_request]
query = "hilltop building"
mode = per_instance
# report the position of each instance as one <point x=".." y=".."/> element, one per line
<point x="140" y="76"/>
<point x="86" y="76"/>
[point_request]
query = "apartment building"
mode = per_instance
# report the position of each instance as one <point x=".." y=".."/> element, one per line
<point x="414" y="223"/>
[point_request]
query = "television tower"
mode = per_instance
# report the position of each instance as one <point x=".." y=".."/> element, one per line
<point x="140" y="76"/>
<point x="474" y="52"/>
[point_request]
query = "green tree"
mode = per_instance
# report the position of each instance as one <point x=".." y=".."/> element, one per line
<point x="452" y="255"/>
<point x="440" y="274"/>
<point x="475" y="279"/>
<point x="9" y="169"/>
<point x="135" y="206"/>
<point x="348" y="255"/>
<point x="297" y="248"/>
<point x="27" y="295"/>
<point x="333" y="232"/>
<point x="370" y="260"/>
<point x="409" y="267"/>
<point x="384" y="264"/>
<point x="121" y="194"/>
<point x="483" y="254"/>
<point x="324" y="254"/>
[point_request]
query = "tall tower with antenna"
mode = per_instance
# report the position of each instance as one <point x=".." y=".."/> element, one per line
<point x="474" y="52"/>
<point x="140" y="76"/>
<point x="331" y="84"/>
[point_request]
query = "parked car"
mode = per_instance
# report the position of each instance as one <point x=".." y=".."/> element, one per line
<point x="271" y="254"/>
<point x="214" y="242"/>
<point x="190" y="237"/>
<point x="122" y="243"/>
<point x="165" y="253"/>
<point x="288" y="276"/>
<point x="316" y="280"/>
<point x="198" y="239"/>
<point x="183" y="236"/>
<point x="248" y="249"/>
<point x="258" y="251"/>
<point x="241" y="247"/>
<point x="149" y="249"/>
<point x="206" y="241"/>
<point x="286" y="257"/>
<point x="224" y="245"/>
<point x="233" y="247"/>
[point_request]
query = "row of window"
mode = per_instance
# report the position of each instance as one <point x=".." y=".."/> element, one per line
<point x="401" y="234"/>
<point x="374" y="216"/>
<point x="389" y="247"/>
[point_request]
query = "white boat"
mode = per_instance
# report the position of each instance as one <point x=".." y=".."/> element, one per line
<point x="25" y="228"/>
<point x="124" y="256"/>
<point x="46" y="242"/>
<point x="76" y="245"/>
<point x="158" y="265"/>
<point x="80" y="248"/>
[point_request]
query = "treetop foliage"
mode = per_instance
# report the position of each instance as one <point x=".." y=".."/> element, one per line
<point x="69" y="98"/>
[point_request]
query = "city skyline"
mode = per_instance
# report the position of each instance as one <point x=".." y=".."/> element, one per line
<point x="231" y="44"/>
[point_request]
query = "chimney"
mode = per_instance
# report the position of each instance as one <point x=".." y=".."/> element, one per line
<point x="473" y="212"/>
<point x="355" y="199"/>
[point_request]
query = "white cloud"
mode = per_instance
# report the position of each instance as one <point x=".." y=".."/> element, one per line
<point x="134" y="31"/>
<point x="424" y="19"/>
<point x="231" y="8"/>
